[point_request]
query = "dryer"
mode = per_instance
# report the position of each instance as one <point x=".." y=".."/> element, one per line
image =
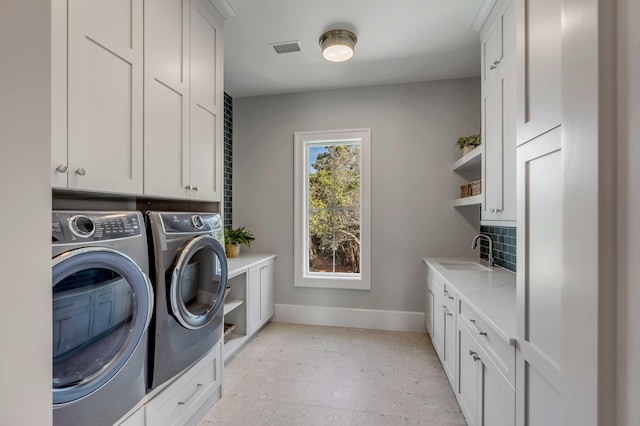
<point x="102" y="307"/>
<point x="189" y="272"/>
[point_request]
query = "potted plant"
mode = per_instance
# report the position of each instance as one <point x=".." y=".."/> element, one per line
<point x="233" y="238"/>
<point x="468" y="143"/>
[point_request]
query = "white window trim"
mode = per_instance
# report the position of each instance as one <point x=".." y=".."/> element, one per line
<point x="301" y="249"/>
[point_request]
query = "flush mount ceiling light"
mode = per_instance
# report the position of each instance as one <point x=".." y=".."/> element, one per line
<point x="338" y="45"/>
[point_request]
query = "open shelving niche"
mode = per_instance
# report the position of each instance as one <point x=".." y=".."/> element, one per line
<point x="469" y="167"/>
<point x="235" y="312"/>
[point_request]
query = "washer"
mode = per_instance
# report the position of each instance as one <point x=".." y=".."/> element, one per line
<point x="102" y="307"/>
<point x="189" y="272"/>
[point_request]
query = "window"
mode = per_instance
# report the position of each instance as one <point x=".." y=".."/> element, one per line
<point x="332" y="209"/>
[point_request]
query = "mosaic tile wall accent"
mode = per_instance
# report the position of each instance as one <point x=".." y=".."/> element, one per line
<point x="504" y="245"/>
<point x="228" y="161"/>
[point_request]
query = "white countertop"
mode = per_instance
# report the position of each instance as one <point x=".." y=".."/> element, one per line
<point x="238" y="265"/>
<point x="491" y="293"/>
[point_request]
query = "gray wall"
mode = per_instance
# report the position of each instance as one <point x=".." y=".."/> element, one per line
<point x="25" y="216"/>
<point x="413" y="131"/>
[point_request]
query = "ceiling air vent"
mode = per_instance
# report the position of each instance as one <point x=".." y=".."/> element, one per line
<point x="287" y="47"/>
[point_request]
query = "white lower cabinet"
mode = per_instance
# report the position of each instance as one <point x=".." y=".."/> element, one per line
<point x="443" y="335"/>
<point x="485" y="395"/>
<point x="429" y="310"/>
<point x="187" y="399"/>
<point x="251" y="301"/>
<point x="261" y="295"/>
<point x="471" y="325"/>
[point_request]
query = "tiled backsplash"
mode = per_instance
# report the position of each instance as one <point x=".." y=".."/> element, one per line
<point x="228" y="161"/>
<point x="504" y="245"/>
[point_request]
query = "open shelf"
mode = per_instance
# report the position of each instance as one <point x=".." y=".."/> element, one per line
<point x="475" y="200"/>
<point x="231" y="305"/>
<point x="469" y="162"/>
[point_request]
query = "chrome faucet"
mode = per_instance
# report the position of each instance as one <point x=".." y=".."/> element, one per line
<point x="474" y="244"/>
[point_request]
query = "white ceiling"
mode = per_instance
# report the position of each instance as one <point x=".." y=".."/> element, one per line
<point x="399" y="41"/>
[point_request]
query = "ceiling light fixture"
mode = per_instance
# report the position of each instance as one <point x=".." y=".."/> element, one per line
<point x="338" y="45"/>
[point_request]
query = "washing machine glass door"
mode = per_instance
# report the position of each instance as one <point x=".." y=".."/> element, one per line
<point x="198" y="282"/>
<point x="102" y="305"/>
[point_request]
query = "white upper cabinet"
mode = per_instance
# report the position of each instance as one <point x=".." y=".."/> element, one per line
<point x="499" y="116"/>
<point x="97" y="53"/>
<point x="99" y="112"/>
<point x="166" y="103"/>
<point x="183" y="100"/>
<point x="538" y="42"/>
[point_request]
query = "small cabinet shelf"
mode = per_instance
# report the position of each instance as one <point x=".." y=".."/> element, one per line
<point x="231" y="305"/>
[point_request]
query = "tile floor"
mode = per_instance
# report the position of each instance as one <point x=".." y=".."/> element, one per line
<point x="308" y="375"/>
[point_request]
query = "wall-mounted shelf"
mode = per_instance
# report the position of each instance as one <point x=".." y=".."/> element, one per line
<point x="470" y="162"/>
<point x="475" y="200"/>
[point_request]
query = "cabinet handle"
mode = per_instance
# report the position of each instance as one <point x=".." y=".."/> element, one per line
<point x="62" y="168"/>
<point x="476" y="328"/>
<point x="195" y="391"/>
<point x="451" y="297"/>
<point x="195" y="188"/>
<point x="476" y="358"/>
<point x="496" y="211"/>
<point x="495" y="64"/>
<point x="472" y="353"/>
<point x="188" y="187"/>
<point x="81" y="171"/>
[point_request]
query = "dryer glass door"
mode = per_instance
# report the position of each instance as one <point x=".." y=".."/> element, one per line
<point x="102" y="304"/>
<point x="198" y="282"/>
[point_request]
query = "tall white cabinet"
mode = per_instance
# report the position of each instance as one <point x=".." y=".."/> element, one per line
<point x="540" y="211"/>
<point x="124" y="70"/>
<point x="97" y="57"/>
<point x="498" y="87"/>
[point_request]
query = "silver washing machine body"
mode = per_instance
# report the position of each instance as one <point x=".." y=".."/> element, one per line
<point x="189" y="274"/>
<point x="102" y="307"/>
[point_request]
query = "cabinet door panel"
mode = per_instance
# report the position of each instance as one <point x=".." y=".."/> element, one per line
<point x="489" y="55"/>
<point x="450" y="345"/>
<point x="204" y="56"/>
<point x="166" y="156"/>
<point x="204" y="155"/>
<point x="254" y="299"/>
<point x="267" y="292"/>
<point x="166" y="144"/>
<point x="206" y="97"/>
<point x="492" y="140"/>
<point x="539" y="67"/>
<point x="539" y="280"/>
<point x="498" y="396"/>
<point x="467" y="383"/>
<point x="105" y="95"/>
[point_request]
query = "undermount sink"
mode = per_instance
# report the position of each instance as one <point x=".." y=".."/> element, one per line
<point x="464" y="266"/>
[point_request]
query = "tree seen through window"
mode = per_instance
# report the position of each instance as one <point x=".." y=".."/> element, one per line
<point x="334" y="208"/>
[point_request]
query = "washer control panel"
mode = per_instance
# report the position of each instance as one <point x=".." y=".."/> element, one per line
<point x="70" y="227"/>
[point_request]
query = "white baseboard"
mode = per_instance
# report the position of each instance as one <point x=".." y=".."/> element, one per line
<point x="346" y="317"/>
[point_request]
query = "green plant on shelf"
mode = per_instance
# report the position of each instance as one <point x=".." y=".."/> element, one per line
<point x="472" y="141"/>
<point x="238" y="236"/>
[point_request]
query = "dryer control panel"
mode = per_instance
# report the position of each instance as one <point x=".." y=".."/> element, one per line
<point x="72" y="227"/>
<point x="190" y="222"/>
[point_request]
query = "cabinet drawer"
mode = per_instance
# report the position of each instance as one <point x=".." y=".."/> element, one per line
<point x="180" y="400"/>
<point x="502" y="353"/>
